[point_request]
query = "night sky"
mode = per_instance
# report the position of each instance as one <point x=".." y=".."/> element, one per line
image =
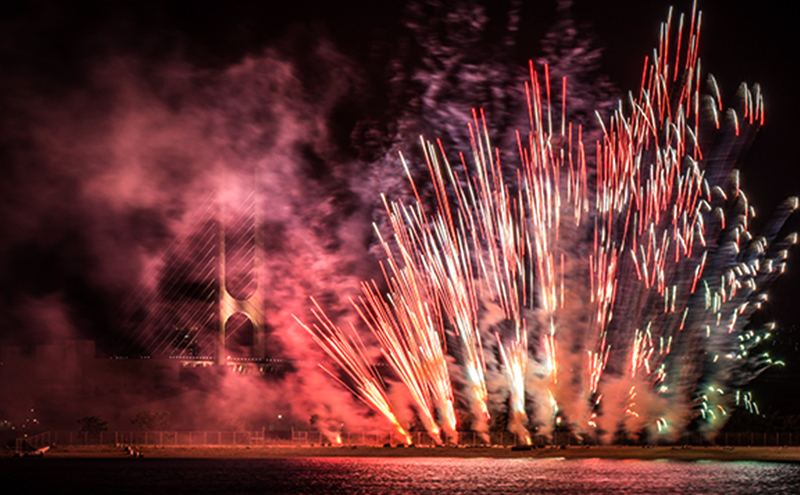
<point x="65" y="266"/>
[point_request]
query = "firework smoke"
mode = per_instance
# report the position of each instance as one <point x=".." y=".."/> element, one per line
<point x="120" y="145"/>
<point x="623" y="284"/>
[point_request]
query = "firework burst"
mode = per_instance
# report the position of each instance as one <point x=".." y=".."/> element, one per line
<point x="611" y="284"/>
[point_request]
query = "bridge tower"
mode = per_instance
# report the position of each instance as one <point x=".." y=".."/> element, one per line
<point x="251" y="306"/>
<point x="212" y="272"/>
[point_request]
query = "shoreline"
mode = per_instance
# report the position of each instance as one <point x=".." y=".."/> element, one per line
<point x="764" y="454"/>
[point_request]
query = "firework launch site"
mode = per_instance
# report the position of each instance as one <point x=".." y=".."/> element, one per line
<point x="300" y="444"/>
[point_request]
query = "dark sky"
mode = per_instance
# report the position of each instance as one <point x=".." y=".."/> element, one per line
<point x="50" y="48"/>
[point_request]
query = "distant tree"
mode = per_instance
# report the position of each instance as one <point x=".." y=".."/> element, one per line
<point x="93" y="425"/>
<point x="464" y="419"/>
<point x="742" y="421"/>
<point x="149" y="420"/>
<point x="499" y="422"/>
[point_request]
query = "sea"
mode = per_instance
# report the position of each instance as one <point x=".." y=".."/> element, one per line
<point x="446" y="476"/>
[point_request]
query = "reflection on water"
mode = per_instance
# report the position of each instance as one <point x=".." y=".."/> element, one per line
<point x="393" y="476"/>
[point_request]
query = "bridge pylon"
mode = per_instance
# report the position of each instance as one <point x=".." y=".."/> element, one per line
<point x="228" y="305"/>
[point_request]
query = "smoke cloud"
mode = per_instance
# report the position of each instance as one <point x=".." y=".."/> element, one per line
<point x="119" y="154"/>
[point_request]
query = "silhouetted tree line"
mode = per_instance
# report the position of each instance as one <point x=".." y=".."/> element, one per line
<point x="742" y="421"/>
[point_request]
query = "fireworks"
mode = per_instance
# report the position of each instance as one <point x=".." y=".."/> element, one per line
<point x="610" y="284"/>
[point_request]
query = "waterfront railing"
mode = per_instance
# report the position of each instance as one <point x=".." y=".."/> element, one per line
<point x="374" y="438"/>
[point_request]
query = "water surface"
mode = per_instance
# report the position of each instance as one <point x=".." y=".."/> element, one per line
<point x="319" y="476"/>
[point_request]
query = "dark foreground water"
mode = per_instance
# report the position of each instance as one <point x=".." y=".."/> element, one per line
<point x="394" y="476"/>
